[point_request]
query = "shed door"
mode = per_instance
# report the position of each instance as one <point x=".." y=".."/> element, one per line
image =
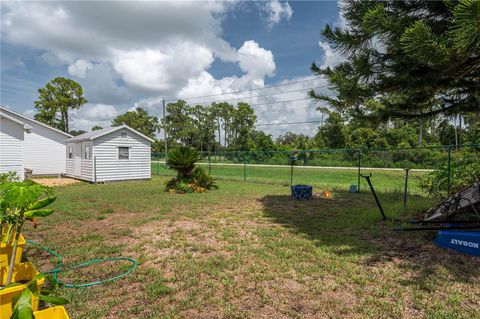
<point x="77" y="154"/>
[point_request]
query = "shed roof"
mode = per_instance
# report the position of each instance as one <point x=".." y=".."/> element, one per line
<point x="90" y="136"/>
<point x="8" y="111"/>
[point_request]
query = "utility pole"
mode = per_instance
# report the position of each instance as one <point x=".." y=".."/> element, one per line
<point x="164" y="130"/>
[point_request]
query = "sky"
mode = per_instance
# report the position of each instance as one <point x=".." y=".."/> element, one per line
<point x="127" y="54"/>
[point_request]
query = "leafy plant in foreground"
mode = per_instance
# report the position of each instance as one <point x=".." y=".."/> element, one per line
<point x="9" y="177"/>
<point x="22" y="305"/>
<point x="20" y="202"/>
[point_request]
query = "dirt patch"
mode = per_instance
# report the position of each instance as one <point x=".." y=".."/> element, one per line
<point x="52" y="182"/>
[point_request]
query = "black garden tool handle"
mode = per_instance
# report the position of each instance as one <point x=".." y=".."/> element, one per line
<point x="367" y="177"/>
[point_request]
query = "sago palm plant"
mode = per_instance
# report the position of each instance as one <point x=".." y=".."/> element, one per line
<point x="182" y="159"/>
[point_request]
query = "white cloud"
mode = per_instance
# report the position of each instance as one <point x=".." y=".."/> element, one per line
<point x="79" y="68"/>
<point x="163" y="70"/>
<point x="154" y="47"/>
<point x="90" y="115"/>
<point x="277" y="11"/>
<point x="98" y="112"/>
<point x="255" y="60"/>
<point x="331" y="57"/>
<point x="102" y="85"/>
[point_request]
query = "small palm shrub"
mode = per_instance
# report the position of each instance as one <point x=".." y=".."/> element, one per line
<point x="182" y="159"/>
<point x="189" y="179"/>
<point x="202" y="179"/>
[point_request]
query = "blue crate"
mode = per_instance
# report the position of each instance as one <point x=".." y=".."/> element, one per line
<point x="302" y="192"/>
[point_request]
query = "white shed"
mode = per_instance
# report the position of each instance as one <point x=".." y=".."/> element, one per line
<point x="43" y="148"/>
<point x="12" y="135"/>
<point x="110" y="154"/>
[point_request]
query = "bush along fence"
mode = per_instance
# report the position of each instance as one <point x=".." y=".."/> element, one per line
<point x="432" y="171"/>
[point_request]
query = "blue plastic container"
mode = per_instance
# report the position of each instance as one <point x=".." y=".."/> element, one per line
<point x="467" y="242"/>
<point x="301" y="192"/>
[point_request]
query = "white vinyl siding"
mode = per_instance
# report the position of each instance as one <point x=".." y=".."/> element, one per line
<point x="109" y="167"/>
<point x="70" y="161"/>
<point x="44" y="148"/>
<point x="11" y="147"/>
<point x="87" y="163"/>
<point x="80" y="166"/>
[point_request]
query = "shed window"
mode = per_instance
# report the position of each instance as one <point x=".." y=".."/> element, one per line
<point x="123" y="153"/>
<point x="70" y="152"/>
<point x="123" y="134"/>
<point x="88" y="153"/>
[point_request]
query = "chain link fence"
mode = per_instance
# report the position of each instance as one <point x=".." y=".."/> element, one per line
<point x="400" y="173"/>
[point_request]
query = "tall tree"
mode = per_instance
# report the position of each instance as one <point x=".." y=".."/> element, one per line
<point x="204" y="127"/>
<point x="140" y="120"/>
<point x="332" y="132"/>
<point x="178" y="123"/>
<point x="56" y="99"/>
<point x="417" y="58"/>
<point x="96" y="128"/>
<point x="223" y="113"/>
<point x="242" y="125"/>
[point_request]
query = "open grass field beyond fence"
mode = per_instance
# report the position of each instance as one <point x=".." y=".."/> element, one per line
<point x="338" y="169"/>
<point x="324" y="178"/>
<point x="247" y="250"/>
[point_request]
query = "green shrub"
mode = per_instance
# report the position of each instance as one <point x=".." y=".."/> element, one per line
<point x="464" y="171"/>
<point x="182" y="159"/>
<point x="202" y="179"/>
<point x="189" y="178"/>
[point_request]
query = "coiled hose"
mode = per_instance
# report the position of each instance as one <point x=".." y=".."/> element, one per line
<point x="58" y="269"/>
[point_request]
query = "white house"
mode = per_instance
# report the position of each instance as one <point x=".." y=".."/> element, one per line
<point x="43" y="147"/>
<point x="110" y="154"/>
<point x="12" y="135"/>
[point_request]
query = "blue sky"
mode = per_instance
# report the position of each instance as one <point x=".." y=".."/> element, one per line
<point x="129" y="54"/>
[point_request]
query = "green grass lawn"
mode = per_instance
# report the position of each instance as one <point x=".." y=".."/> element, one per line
<point x="248" y="250"/>
<point x="325" y="178"/>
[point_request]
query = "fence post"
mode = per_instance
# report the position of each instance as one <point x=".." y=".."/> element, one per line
<point x="209" y="164"/>
<point x="158" y="163"/>
<point x="359" y="166"/>
<point x="449" y="184"/>
<point x="244" y="166"/>
<point x="406" y="189"/>
<point x="292" y="160"/>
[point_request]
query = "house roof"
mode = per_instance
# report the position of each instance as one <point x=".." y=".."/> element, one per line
<point x="4" y="115"/>
<point x="90" y="136"/>
<point x="8" y="112"/>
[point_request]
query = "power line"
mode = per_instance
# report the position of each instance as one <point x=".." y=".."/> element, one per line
<point x="256" y="96"/>
<point x="288" y="123"/>
<point x="276" y="102"/>
<point x="243" y="91"/>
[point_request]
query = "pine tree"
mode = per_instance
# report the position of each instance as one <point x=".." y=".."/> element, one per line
<point x="56" y="99"/>
<point x="416" y="58"/>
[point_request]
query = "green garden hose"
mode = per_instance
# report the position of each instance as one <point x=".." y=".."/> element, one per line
<point x="58" y="268"/>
